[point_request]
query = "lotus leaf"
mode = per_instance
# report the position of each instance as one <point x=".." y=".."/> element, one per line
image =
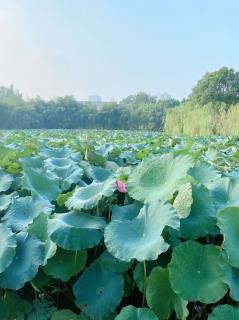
<point x="5" y="181"/>
<point x="202" y="218"/>
<point x="39" y="183"/>
<point x="32" y="162"/>
<point x="141" y="237"/>
<point x="39" y="228"/>
<point x="7" y="248"/>
<point x="5" y="200"/>
<point x="225" y="193"/>
<point x="224" y="312"/>
<point x="113" y="264"/>
<point x="100" y="174"/>
<point x="65" y="170"/>
<point x="29" y="256"/>
<point x="98" y="292"/>
<point x="157" y="178"/>
<point x="56" y="152"/>
<point x="76" y="230"/>
<point x="184" y="200"/>
<point x="159" y="287"/>
<point x="132" y="313"/>
<point x="228" y="221"/>
<point x="12" y="306"/>
<point x="138" y="273"/>
<point x="195" y="272"/>
<point x="127" y="212"/>
<point x="24" y="210"/>
<point x="204" y="174"/>
<point x="89" y="196"/>
<point x="65" y="264"/>
<point x="232" y="280"/>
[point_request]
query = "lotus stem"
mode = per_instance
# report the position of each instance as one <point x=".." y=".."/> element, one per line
<point x="145" y="279"/>
<point x="109" y="212"/>
<point x="76" y="254"/>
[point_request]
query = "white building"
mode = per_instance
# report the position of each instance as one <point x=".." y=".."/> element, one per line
<point x="95" y="99"/>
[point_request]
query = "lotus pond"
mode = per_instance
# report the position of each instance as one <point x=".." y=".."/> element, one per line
<point x="118" y="225"/>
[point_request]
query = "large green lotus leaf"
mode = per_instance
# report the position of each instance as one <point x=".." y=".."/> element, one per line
<point x="65" y="314"/>
<point x="29" y="256"/>
<point x="105" y="149"/>
<point x="76" y="230"/>
<point x="65" y="170"/>
<point x="32" y="162"/>
<point x="6" y="200"/>
<point x="65" y="264"/>
<point x="204" y="174"/>
<point x="132" y="313"/>
<point x="39" y="228"/>
<point x="184" y="200"/>
<point x="98" y="291"/>
<point x="141" y="237"/>
<point x="39" y="183"/>
<point x="202" y="218"/>
<point x="23" y="211"/>
<point x="224" y="312"/>
<point x="89" y="196"/>
<point x="50" y="152"/>
<point x="58" y="164"/>
<point x="161" y="298"/>
<point x="195" y="272"/>
<point x="228" y="222"/>
<point x="225" y="193"/>
<point x="232" y="280"/>
<point x="12" y="306"/>
<point x="157" y="178"/>
<point x="138" y="273"/>
<point x="7" y="248"/>
<point x="5" y="181"/>
<point x="127" y="212"/>
<point x="113" y="264"/>
<point x="100" y="174"/>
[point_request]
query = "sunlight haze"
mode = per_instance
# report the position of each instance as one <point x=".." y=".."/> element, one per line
<point x="114" y="48"/>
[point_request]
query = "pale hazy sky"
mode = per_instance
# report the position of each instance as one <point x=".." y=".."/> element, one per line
<point x="115" y="47"/>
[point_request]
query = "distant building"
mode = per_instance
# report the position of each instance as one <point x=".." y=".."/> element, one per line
<point x="95" y="99"/>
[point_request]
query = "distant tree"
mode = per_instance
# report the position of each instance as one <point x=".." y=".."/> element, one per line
<point x="168" y="103"/>
<point x="139" y="98"/>
<point x="219" y="86"/>
<point x="10" y="96"/>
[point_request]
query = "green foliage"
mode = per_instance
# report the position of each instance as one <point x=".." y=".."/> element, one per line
<point x="130" y="312"/>
<point x="140" y="111"/>
<point x="219" y="86"/>
<point x="224" y="312"/>
<point x="212" y="107"/>
<point x="98" y="292"/>
<point x="157" y="178"/>
<point x="12" y="306"/>
<point x="193" y="267"/>
<point x="74" y="244"/>
<point x="158" y="288"/>
<point x="65" y="264"/>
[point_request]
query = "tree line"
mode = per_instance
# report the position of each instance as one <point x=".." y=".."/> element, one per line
<point x="211" y="109"/>
<point x="136" y="112"/>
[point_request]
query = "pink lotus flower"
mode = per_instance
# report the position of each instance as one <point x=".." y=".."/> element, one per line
<point x="121" y="186"/>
